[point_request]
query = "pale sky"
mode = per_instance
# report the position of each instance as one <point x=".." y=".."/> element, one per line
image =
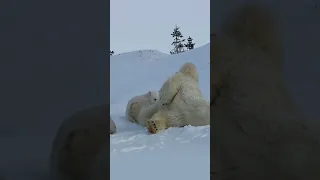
<point x="147" y="24"/>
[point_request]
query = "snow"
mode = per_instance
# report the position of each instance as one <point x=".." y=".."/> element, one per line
<point x="181" y="153"/>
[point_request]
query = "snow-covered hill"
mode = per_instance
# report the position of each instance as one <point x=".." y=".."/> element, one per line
<point x="141" y="54"/>
<point x="178" y="153"/>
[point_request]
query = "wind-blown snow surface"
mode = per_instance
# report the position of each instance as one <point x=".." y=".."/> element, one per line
<point x="178" y="153"/>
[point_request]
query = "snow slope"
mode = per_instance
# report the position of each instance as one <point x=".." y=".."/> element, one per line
<point x="180" y="153"/>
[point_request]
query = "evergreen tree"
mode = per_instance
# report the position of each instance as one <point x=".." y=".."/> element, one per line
<point x="111" y="53"/>
<point x="190" y="44"/>
<point x="177" y="42"/>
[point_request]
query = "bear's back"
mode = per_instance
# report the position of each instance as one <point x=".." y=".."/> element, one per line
<point x="141" y="99"/>
<point x="191" y="103"/>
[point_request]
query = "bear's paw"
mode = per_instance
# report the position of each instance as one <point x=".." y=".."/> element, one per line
<point x="157" y="124"/>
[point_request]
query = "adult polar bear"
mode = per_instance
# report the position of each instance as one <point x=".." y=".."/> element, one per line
<point x="181" y="102"/>
<point x="257" y="132"/>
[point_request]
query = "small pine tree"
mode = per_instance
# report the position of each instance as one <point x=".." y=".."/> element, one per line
<point x="111" y="53"/>
<point x="190" y="44"/>
<point x="177" y="42"/>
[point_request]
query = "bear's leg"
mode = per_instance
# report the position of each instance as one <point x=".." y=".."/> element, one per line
<point x="134" y="112"/>
<point x="170" y="89"/>
<point x="164" y="119"/>
<point x="146" y="113"/>
<point x="158" y="122"/>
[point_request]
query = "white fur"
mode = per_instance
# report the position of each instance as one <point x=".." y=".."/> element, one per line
<point x="183" y="102"/>
<point x="113" y="127"/>
<point x="140" y="101"/>
<point x="146" y="113"/>
<point x="89" y="126"/>
<point x="190" y="69"/>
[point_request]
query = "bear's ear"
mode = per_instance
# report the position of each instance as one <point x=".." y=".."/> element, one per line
<point x="149" y="92"/>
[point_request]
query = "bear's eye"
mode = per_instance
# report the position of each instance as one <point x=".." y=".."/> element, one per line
<point x="154" y="99"/>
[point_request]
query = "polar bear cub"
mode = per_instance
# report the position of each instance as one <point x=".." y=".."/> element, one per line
<point x="136" y="103"/>
<point x="113" y="127"/>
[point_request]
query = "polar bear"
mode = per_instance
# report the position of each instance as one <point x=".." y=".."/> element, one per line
<point x="113" y="127"/>
<point x="136" y="103"/>
<point x="257" y="132"/>
<point x="182" y="102"/>
<point x="77" y="143"/>
<point x="146" y="112"/>
<point x="190" y="69"/>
